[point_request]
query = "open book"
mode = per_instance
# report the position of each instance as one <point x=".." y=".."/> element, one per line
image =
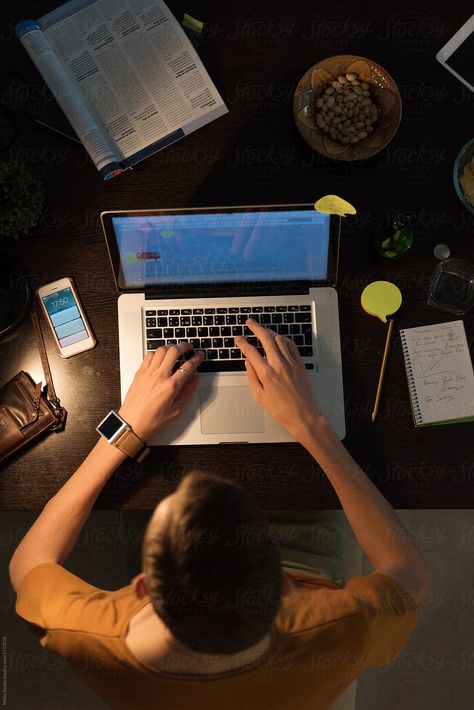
<point x="125" y="74"/>
<point x="439" y="372"/>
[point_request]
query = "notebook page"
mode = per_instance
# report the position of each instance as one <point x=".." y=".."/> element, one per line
<point x="441" y="371"/>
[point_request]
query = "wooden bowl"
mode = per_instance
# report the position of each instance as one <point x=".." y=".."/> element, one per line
<point x="385" y="95"/>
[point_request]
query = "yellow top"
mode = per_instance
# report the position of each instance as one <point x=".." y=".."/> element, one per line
<point x="324" y="636"/>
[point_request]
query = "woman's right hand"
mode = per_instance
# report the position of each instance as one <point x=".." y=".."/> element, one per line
<point x="280" y="382"/>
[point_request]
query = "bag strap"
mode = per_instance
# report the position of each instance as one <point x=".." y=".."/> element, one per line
<point x="51" y="393"/>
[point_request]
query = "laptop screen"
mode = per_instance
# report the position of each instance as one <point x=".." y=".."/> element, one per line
<point x="175" y="248"/>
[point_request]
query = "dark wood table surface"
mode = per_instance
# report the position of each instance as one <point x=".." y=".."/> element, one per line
<point x="257" y="52"/>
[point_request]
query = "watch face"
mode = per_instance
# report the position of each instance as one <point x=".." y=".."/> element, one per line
<point x="110" y="425"/>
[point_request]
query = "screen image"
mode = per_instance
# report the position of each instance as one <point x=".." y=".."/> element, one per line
<point x="286" y="245"/>
<point x="65" y="317"/>
<point x="462" y="59"/>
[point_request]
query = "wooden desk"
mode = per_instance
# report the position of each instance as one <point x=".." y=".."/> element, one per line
<point x="255" y="155"/>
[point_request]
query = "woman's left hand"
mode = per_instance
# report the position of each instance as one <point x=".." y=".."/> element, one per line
<point x="157" y="394"/>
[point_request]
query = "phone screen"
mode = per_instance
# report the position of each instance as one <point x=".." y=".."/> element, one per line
<point x="462" y="59"/>
<point x="65" y="317"/>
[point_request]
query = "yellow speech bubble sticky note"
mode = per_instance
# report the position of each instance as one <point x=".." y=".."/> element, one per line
<point x="381" y="299"/>
<point x="332" y="204"/>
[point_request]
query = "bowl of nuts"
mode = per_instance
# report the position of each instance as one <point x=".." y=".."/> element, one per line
<point x="347" y="107"/>
<point x="463" y="175"/>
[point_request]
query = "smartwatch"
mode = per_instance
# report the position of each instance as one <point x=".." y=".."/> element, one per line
<point x="117" y="432"/>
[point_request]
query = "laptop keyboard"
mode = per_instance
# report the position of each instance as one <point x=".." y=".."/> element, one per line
<point x="214" y="330"/>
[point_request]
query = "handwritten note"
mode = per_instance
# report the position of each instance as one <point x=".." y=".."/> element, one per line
<point x="439" y="371"/>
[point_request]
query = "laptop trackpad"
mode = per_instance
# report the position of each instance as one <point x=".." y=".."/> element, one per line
<point x="230" y="410"/>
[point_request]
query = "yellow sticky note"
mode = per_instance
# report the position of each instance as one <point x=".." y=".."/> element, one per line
<point x="332" y="204"/>
<point x="381" y="299"/>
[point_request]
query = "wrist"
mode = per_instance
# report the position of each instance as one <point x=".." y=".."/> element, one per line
<point x="311" y="429"/>
<point x="137" y="428"/>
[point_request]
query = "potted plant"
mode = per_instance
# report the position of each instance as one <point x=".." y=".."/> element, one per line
<point x="21" y="206"/>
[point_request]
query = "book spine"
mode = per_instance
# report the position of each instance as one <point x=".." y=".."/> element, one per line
<point x="415" y="405"/>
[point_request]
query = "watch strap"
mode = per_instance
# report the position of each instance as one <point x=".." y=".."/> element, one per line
<point x="132" y="445"/>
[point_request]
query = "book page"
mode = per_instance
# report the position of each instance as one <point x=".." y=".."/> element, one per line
<point x="77" y="110"/>
<point x="137" y="68"/>
<point x="442" y="371"/>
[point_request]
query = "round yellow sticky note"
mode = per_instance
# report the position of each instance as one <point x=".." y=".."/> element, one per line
<point x="332" y="204"/>
<point x="381" y="299"/>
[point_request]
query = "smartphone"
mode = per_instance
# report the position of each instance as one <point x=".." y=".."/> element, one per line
<point x="64" y="312"/>
<point x="458" y="54"/>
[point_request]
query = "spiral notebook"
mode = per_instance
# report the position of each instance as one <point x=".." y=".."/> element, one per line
<point x="439" y="372"/>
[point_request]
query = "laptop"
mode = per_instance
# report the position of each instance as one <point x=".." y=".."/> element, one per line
<point x="197" y="274"/>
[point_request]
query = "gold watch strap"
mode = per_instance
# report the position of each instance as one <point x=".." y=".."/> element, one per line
<point x="130" y="444"/>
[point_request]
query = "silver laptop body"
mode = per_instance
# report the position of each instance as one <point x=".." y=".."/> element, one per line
<point x="187" y="271"/>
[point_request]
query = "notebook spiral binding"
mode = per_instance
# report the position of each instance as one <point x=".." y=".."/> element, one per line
<point x="411" y="382"/>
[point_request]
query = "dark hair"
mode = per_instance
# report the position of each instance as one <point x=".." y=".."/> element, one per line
<point x="212" y="569"/>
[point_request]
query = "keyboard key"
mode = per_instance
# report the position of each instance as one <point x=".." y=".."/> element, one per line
<point x="219" y="320"/>
<point x="208" y="320"/>
<point x="255" y="317"/>
<point x="281" y="308"/>
<point x="198" y="310"/>
<point x="298" y="339"/>
<point x="294" y="329"/>
<point x="309" y="365"/>
<point x="213" y="365"/>
<point x="304" y="308"/>
<point x="154" y="333"/>
<point x="229" y="342"/>
<point x="196" y="343"/>
<point x="197" y="320"/>
<point x="224" y="354"/>
<point x="293" y="308"/>
<point x="277" y="318"/>
<point x="222" y="310"/>
<point x="283" y="329"/>
<point x="234" y="309"/>
<point x="252" y="340"/>
<point x="150" y="322"/>
<point x="225" y="330"/>
<point x="265" y="318"/>
<point x="231" y="320"/>
<point x="168" y="332"/>
<point x="245" y="309"/>
<point x="185" y="311"/>
<point x="162" y="322"/>
<point x="235" y="353"/>
<point x="180" y="332"/>
<point x="209" y="310"/>
<point x="203" y="332"/>
<point x="164" y="312"/>
<point x="172" y="341"/>
<point x="173" y="312"/>
<point x="303" y="317"/>
<point x="269" y="309"/>
<point x="150" y="313"/>
<point x="210" y="355"/>
<point x="186" y="320"/>
<point x="288" y="318"/>
<point x="191" y="332"/>
<point x="206" y="343"/>
<point x="154" y="344"/>
<point x="217" y="342"/>
<point x="241" y="318"/>
<point x="237" y="330"/>
<point x="174" y="320"/>
<point x="215" y="330"/>
<point x="306" y="351"/>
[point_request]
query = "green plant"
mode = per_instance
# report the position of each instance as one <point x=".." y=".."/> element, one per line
<point x="21" y="199"/>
